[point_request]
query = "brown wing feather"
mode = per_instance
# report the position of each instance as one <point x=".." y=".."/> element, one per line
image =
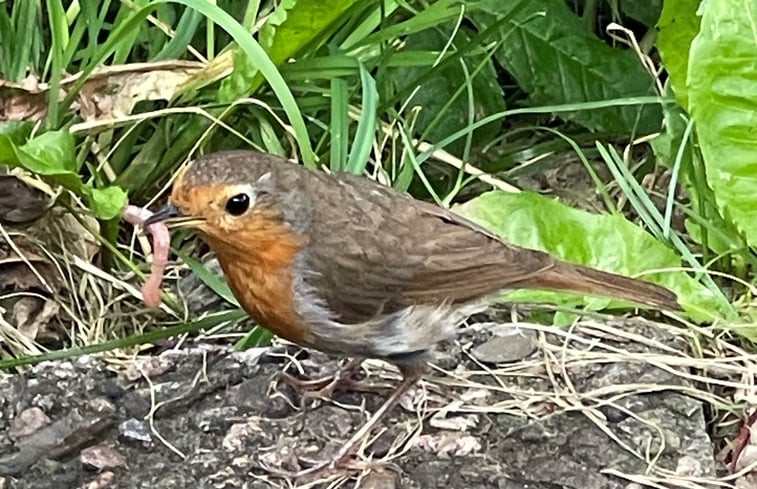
<point x="390" y="251"/>
<point x="377" y="250"/>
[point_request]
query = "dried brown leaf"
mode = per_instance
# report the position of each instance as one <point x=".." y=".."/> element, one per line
<point x="32" y="315"/>
<point x="109" y="93"/>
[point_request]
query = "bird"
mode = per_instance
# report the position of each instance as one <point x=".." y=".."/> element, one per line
<point x="342" y="264"/>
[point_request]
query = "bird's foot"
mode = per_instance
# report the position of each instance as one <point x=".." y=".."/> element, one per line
<point x="342" y="464"/>
<point x="343" y="458"/>
<point x="325" y="387"/>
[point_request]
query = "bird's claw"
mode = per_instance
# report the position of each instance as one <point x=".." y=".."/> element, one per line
<point x="323" y="388"/>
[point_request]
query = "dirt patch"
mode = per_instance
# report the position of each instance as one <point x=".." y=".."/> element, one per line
<point x="596" y="407"/>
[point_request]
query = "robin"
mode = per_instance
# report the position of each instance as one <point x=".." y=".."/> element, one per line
<point x="341" y="264"/>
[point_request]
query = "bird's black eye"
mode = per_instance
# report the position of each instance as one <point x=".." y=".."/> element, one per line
<point x="238" y="204"/>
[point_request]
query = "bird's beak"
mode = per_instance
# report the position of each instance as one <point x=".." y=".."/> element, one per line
<point x="173" y="218"/>
<point x="166" y="212"/>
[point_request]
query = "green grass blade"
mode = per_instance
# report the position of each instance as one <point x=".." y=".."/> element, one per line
<point x="128" y="341"/>
<point x="366" y="127"/>
<point x="652" y="217"/>
<point x="257" y="336"/>
<point x="674" y="174"/>
<point x="213" y="281"/>
<point x="544" y="109"/>
<point x="245" y="41"/>
<point x="25" y="16"/>
<point x="6" y="42"/>
<point x="183" y="34"/>
<point x="60" y="39"/>
<point x="339" y="126"/>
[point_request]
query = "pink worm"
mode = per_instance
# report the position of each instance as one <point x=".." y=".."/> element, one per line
<point x="161" y="241"/>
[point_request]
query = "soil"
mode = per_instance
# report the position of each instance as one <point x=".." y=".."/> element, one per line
<point x="577" y="410"/>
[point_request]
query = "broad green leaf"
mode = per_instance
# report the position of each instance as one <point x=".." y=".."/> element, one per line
<point x="17" y="131"/>
<point x="678" y="25"/>
<point x="293" y="27"/>
<point x="106" y="203"/>
<point x="272" y="24"/>
<point x="52" y="156"/>
<point x="50" y="153"/>
<point x="556" y="60"/>
<point x="606" y="242"/>
<point x="723" y="104"/>
<point x="645" y="11"/>
<point x="443" y="98"/>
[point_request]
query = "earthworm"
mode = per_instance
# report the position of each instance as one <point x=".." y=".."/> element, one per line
<point x="161" y="241"/>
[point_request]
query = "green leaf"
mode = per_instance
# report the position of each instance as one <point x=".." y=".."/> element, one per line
<point x="272" y="24"/>
<point x="185" y="30"/>
<point x="443" y="98"/>
<point x="723" y="104"/>
<point x="49" y="155"/>
<point x="209" y="322"/>
<point x="106" y="203"/>
<point x="645" y="11"/>
<point x="556" y="60"/>
<point x="17" y="131"/>
<point x="678" y="25"/>
<point x="293" y="27"/>
<point x="606" y="242"/>
<point x="52" y="156"/>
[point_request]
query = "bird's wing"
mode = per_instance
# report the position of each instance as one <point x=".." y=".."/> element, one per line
<point x="374" y="250"/>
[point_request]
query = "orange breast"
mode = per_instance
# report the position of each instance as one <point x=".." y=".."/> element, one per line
<point x="259" y="269"/>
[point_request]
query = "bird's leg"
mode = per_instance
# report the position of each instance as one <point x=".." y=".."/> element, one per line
<point x="410" y="376"/>
<point x="325" y="386"/>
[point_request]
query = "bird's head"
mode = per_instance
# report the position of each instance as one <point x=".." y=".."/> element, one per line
<point x="233" y="199"/>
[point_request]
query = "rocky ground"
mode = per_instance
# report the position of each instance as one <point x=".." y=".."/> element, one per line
<point x="603" y="405"/>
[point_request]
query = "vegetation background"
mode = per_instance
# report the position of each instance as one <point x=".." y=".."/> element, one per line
<point x="615" y="133"/>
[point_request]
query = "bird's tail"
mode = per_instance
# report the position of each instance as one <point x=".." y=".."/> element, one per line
<point x="565" y="276"/>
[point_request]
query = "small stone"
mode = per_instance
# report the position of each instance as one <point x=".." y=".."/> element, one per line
<point x="689" y="467"/>
<point x="748" y="481"/>
<point x="59" y="439"/>
<point x="135" y="430"/>
<point x="151" y="367"/>
<point x="237" y="435"/>
<point x="379" y="480"/>
<point x="102" y="481"/>
<point x="27" y="422"/>
<point x="102" y="457"/>
<point x="448" y="444"/>
<point x="214" y="419"/>
<point x="507" y="345"/>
